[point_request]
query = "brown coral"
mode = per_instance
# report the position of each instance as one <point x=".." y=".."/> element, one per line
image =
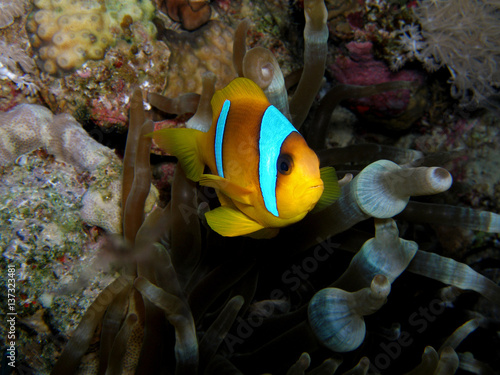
<point x="209" y="48"/>
<point x="10" y="10"/>
<point x="192" y="14"/>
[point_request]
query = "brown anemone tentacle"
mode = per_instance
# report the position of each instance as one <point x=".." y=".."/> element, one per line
<point x="134" y="207"/>
<point x="76" y="347"/>
<point x="317" y="133"/>
<point x="315" y="51"/>
<point x="136" y="119"/>
<point x="186" y="103"/>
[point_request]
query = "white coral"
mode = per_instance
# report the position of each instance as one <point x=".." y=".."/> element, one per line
<point x="17" y="66"/>
<point x="462" y="35"/>
<point x="29" y="126"/>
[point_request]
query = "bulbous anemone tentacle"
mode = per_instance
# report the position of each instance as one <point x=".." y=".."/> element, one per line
<point x="78" y="344"/>
<point x="190" y="103"/>
<point x="460" y="334"/>
<point x="315" y="50"/>
<point x="202" y="119"/>
<point x="136" y="168"/>
<point x="301" y="365"/>
<point x="443" y="214"/>
<point x="186" y="103"/>
<point x="218" y="330"/>
<point x="111" y="331"/>
<point x="134" y="206"/>
<point x="185" y="234"/>
<point x="386" y="254"/>
<point x="179" y="315"/>
<point x="429" y="362"/>
<point x="366" y="153"/>
<point x="136" y="119"/>
<point x="454" y="273"/>
<point x="336" y="316"/>
<point x="318" y="132"/>
<point x="240" y="45"/>
<point x="448" y="362"/>
<point x="260" y="65"/>
<point x="381" y="190"/>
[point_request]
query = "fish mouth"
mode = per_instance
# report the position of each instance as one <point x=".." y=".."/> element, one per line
<point x="311" y="188"/>
<point x="317" y="184"/>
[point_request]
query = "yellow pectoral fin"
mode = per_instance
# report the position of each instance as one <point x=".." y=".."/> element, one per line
<point x="183" y="144"/>
<point x="331" y="191"/>
<point x="235" y="192"/>
<point x="229" y="222"/>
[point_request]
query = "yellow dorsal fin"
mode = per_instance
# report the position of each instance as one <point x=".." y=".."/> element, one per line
<point x="238" y="88"/>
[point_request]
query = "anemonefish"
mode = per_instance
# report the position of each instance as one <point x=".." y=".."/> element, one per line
<point x="265" y="175"/>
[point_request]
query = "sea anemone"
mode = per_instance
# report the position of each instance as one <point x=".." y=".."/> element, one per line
<point x="190" y="301"/>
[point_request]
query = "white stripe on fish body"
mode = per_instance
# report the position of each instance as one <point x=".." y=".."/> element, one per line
<point x="274" y="129"/>
<point x="219" y="137"/>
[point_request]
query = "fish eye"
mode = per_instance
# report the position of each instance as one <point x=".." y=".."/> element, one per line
<point x="284" y="164"/>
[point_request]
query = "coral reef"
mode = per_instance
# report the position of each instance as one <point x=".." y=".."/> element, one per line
<point x="10" y="57"/>
<point x="10" y="10"/>
<point x="29" y="126"/>
<point x="43" y="236"/>
<point x="421" y="288"/>
<point x="191" y="14"/>
<point x="97" y="94"/>
<point x="398" y="109"/>
<point x="190" y="301"/>
<point x="68" y="33"/>
<point x="208" y="49"/>
<point x="461" y="35"/>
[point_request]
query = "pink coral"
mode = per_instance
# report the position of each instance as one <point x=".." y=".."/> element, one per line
<point x="361" y="68"/>
<point x="107" y="113"/>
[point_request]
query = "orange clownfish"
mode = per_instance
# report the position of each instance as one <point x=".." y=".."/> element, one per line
<point x="265" y="175"/>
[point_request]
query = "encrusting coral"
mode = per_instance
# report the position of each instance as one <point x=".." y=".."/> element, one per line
<point x="67" y="33"/>
<point x="28" y="127"/>
<point x="190" y="13"/>
<point x="10" y="10"/>
<point x="182" y="302"/>
<point x="208" y="49"/>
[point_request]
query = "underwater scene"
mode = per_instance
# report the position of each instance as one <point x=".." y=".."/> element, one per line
<point x="250" y="187"/>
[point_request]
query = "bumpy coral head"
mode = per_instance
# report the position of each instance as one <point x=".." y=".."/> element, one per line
<point x="298" y="186"/>
<point x="66" y="33"/>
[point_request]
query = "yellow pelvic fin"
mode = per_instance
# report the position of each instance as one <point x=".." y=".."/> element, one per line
<point x="238" y="88"/>
<point x="234" y="191"/>
<point x="183" y="144"/>
<point x="264" y="233"/>
<point x="331" y="191"/>
<point x="229" y="222"/>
